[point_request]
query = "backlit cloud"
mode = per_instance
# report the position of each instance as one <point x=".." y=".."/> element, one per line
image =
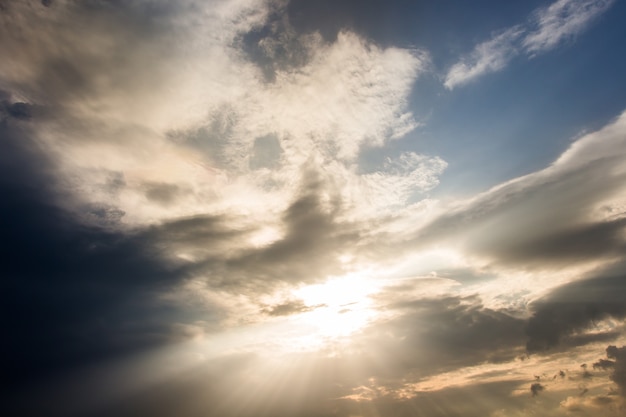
<point x="236" y="208"/>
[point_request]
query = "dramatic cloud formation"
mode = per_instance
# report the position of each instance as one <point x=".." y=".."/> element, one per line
<point x="255" y="208"/>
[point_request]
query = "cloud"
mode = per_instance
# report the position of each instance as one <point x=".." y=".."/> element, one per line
<point x="163" y="193"/>
<point x="166" y="138"/>
<point x="203" y="117"/>
<point x="557" y="216"/>
<point x="607" y="405"/>
<point x="78" y="294"/>
<point x="172" y="173"/>
<point x="618" y="365"/>
<point x="427" y="336"/>
<point x="545" y="30"/>
<point x="487" y="57"/>
<point x="290" y="307"/>
<point x="562" y="20"/>
<point x="563" y="318"/>
<point x="536" y="388"/>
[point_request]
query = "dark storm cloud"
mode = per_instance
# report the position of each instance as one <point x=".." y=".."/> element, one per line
<point x="72" y="294"/>
<point x="562" y="318"/>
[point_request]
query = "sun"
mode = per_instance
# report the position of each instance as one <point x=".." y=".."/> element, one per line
<point x="338" y="307"/>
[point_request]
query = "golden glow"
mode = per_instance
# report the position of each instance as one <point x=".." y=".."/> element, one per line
<point x="338" y="307"/>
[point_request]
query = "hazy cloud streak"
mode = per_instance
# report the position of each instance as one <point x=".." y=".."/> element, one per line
<point x="545" y="30"/>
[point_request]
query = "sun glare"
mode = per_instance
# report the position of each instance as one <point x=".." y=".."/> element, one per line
<point x="338" y="307"/>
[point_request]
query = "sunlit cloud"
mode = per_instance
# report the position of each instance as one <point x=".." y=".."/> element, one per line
<point x="546" y="29"/>
<point x="562" y="20"/>
<point x="489" y="56"/>
<point x="211" y="208"/>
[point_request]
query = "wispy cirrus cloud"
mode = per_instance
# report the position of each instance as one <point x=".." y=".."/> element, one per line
<point x="561" y="20"/>
<point x="545" y="29"/>
<point x="487" y="57"/>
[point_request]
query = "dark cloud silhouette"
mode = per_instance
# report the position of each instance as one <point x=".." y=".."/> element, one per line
<point x="72" y="294"/>
<point x="604" y="364"/>
<point x="163" y="193"/>
<point x="586" y="374"/>
<point x="561" y="318"/>
<point x="619" y="366"/>
<point x="536" y="388"/>
<point x="14" y="109"/>
<point x="291" y="307"/>
<point x="437" y="335"/>
<point x="19" y="110"/>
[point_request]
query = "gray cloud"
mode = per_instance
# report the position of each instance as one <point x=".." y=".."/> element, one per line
<point x="289" y="308"/>
<point x="266" y="152"/>
<point x="438" y="335"/>
<point x="74" y="294"/>
<point x="536" y="388"/>
<point x="83" y="287"/>
<point x="562" y="318"/>
<point x="619" y="366"/>
<point x="307" y="252"/>
<point x="548" y="217"/>
<point x="603" y="364"/>
<point x="163" y="193"/>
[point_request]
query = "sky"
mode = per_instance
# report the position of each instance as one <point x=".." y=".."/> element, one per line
<point x="313" y="208"/>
